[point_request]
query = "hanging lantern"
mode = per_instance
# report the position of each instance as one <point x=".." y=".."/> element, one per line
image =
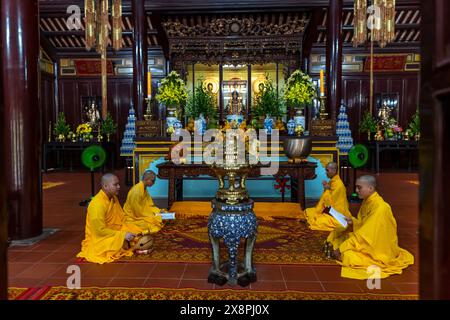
<point x="382" y="22"/>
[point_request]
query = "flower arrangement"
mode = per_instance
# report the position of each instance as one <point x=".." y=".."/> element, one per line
<point x="368" y="124"/>
<point x="72" y="136"/>
<point x="108" y="126"/>
<point x="172" y="91"/>
<point x="267" y="103"/>
<point x="201" y="102"/>
<point x="62" y="129"/>
<point x="84" y="132"/>
<point x="299" y="130"/>
<point x="299" y="90"/>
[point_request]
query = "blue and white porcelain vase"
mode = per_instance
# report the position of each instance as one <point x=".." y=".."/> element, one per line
<point x="268" y="124"/>
<point x="291" y="127"/>
<point x="200" y="125"/>
<point x="299" y="119"/>
<point x="177" y="126"/>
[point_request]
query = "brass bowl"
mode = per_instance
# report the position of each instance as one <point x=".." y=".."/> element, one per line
<point x="297" y="148"/>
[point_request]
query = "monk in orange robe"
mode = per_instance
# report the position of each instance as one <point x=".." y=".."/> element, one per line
<point x="334" y="195"/>
<point x="139" y="207"/>
<point x="106" y="232"/>
<point x="368" y="247"/>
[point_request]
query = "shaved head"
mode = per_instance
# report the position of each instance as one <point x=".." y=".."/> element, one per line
<point x="107" y="178"/>
<point x="331" y="169"/>
<point x="369" y="180"/>
<point x="365" y="186"/>
<point x="110" y="184"/>
<point x="149" y="178"/>
<point x="149" y="174"/>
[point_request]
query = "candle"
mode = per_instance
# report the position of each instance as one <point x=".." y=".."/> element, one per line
<point x="322" y="84"/>
<point x="149" y="85"/>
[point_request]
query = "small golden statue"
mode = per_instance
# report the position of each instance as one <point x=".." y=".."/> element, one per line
<point x="93" y="115"/>
<point x="235" y="104"/>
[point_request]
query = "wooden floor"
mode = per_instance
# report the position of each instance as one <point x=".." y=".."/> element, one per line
<point x="46" y="262"/>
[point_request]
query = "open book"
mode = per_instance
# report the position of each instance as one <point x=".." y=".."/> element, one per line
<point x="167" y="215"/>
<point x="337" y="215"/>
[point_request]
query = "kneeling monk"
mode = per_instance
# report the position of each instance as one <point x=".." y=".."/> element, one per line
<point x="139" y="207"/>
<point x="106" y="231"/>
<point x="334" y="195"/>
<point x="368" y="248"/>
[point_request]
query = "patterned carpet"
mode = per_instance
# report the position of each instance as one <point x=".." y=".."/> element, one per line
<point x="281" y="241"/>
<point x="94" y="293"/>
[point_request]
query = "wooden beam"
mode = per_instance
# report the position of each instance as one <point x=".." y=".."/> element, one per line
<point x="310" y="35"/>
<point x="161" y="34"/>
<point x="48" y="48"/>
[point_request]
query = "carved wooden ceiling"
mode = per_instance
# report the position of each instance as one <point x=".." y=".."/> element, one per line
<point x="222" y="26"/>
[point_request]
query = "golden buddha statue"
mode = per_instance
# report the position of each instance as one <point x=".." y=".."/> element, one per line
<point x="93" y="115"/>
<point x="235" y="104"/>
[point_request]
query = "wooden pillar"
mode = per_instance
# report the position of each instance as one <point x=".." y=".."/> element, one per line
<point x="434" y="153"/>
<point x="334" y="57"/>
<point x="140" y="61"/>
<point x="21" y="123"/>
<point x="3" y="213"/>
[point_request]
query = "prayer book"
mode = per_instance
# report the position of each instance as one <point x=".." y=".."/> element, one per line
<point x="167" y="215"/>
<point x="337" y="215"/>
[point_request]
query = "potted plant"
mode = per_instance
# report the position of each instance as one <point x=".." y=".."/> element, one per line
<point x="267" y="103"/>
<point x="172" y="92"/>
<point x="368" y="124"/>
<point x="108" y="126"/>
<point x="414" y="126"/>
<point x="299" y="91"/>
<point x="201" y="102"/>
<point x="62" y="129"/>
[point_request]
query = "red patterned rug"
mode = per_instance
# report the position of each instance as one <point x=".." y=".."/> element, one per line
<point x="281" y="241"/>
<point x="94" y="293"/>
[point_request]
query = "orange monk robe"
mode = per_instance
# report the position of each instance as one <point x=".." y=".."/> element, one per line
<point x="373" y="242"/>
<point x="105" y="230"/>
<point x="140" y="209"/>
<point x="336" y="197"/>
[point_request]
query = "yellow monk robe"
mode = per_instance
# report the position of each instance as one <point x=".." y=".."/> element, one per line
<point x="140" y="209"/>
<point x="336" y="197"/>
<point x="105" y="230"/>
<point x="373" y="242"/>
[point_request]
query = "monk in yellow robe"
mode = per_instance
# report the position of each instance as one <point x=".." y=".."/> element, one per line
<point x="334" y="195"/>
<point x="368" y="247"/>
<point x="139" y="207"/>
<point x="106" y="232"/>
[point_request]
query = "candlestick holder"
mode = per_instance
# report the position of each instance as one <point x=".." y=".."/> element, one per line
<point x="148" y="112"/>
<point x="322" y="110"/>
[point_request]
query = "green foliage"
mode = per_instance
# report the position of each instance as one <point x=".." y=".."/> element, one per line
<point x="268" y="103"/>
<point x="108" y="125"/>
<point x="61" y="127"/>
<point x="368" y="123"/>
<point x="201" y="102"/>
<point x="172" y="91"/>
<point x="299" y="90"/>
<point x="414" y="125"/>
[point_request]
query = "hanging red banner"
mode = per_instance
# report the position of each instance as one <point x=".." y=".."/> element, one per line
<point x="92" y="67"/>
<point x="386" y="63"/>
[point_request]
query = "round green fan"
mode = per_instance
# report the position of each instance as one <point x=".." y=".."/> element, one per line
<point x="93" y="157"/>
<point x="358" y="155"/>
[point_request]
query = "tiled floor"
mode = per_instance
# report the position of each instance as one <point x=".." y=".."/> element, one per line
<point x="46" y="262"/>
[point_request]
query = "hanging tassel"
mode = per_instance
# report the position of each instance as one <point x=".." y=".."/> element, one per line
<point x="117" y="25"/>
<point x="359" y="22"/>
<point x="89" y="12"/>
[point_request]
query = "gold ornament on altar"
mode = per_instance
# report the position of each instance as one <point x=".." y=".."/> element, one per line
<point x="234" y="168"/>
<point x="380" y="22"/>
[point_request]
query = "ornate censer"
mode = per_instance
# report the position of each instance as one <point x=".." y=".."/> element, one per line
<point x="232" y="218"/>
